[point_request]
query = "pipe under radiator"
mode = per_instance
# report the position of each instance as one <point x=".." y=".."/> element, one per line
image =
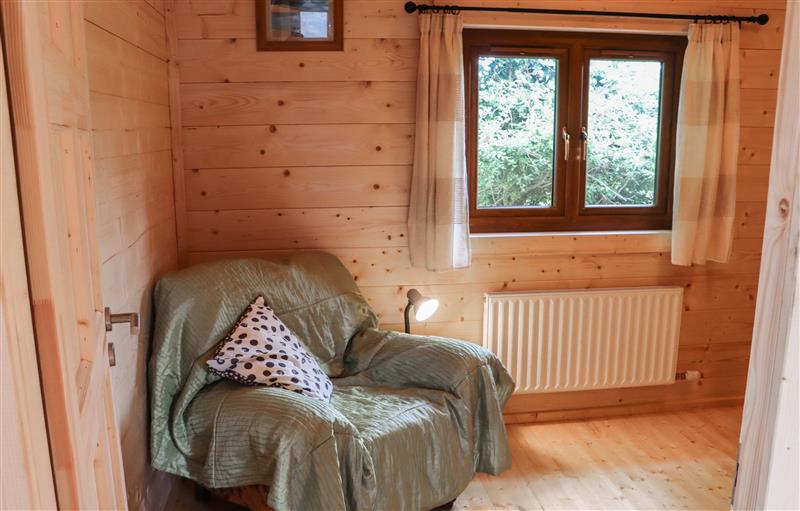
<point x="554" y="341"/>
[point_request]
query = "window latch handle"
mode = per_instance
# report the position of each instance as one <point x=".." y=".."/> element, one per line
<point x="585" y="139"/>
<point x="565" y="136"/>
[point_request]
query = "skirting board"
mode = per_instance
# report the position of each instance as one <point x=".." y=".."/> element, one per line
<point x="616" y="410"/>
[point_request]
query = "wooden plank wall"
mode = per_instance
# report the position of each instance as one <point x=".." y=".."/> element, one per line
<point x="127" y="59"/>
<point x="295" y="151"/>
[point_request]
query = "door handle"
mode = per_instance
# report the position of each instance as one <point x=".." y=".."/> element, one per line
<point x="131" y="318"/>
<point x="565" y="136"/>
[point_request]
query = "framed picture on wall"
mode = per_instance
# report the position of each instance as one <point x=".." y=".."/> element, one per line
<point x="299" y="25"/>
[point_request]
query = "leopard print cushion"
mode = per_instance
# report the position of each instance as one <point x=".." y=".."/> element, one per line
<point x="261" y="350"/>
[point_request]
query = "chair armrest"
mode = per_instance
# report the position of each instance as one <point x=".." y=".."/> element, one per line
<point x="404" y="360"/>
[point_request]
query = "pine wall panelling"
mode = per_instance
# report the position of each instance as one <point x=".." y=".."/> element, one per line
<point x="296" y="151"/>
<point x="130" y="105"/>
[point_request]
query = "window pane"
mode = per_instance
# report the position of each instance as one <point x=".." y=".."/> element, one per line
<point x="516" y="131"/>
<point x="624" y="103"/>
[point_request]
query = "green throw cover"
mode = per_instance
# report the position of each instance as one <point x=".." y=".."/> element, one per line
<point x="410" y="421"/>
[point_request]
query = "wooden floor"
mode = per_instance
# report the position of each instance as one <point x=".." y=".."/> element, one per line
<point x="681" y="460"/>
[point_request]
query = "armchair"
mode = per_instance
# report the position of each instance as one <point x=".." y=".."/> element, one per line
<point x="411" y="419"/>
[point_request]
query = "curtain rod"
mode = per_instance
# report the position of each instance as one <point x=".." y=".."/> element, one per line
<point x="761" y="19"/>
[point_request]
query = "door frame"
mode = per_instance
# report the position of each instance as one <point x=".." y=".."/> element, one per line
<point x="27" y="474"/>
<point x="765" y="468"/>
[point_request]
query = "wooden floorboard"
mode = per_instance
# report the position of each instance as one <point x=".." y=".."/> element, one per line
<point x="678" y="460"/>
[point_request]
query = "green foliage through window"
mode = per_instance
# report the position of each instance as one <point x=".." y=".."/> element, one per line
<point x="624" y="99"/>
<point x="516" y="131"/>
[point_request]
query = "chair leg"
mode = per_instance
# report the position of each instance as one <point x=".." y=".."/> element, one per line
<point x="445" y="507"/>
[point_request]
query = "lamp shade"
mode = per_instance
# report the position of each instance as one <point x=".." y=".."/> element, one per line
<point x="424" y="306"/>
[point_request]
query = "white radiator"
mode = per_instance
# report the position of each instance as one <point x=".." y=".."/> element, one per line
<point x="555" y="341"/>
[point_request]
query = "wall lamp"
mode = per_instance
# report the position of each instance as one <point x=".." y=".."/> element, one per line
<point x="424" y="307"/>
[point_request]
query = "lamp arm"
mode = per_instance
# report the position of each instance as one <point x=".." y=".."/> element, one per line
<point x="406" y="318"/>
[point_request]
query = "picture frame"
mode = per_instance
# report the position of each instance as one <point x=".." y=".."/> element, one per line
<point x="299" y="25"/>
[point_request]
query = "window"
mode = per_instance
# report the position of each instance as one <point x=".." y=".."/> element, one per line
<point x="570" y="131"/>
